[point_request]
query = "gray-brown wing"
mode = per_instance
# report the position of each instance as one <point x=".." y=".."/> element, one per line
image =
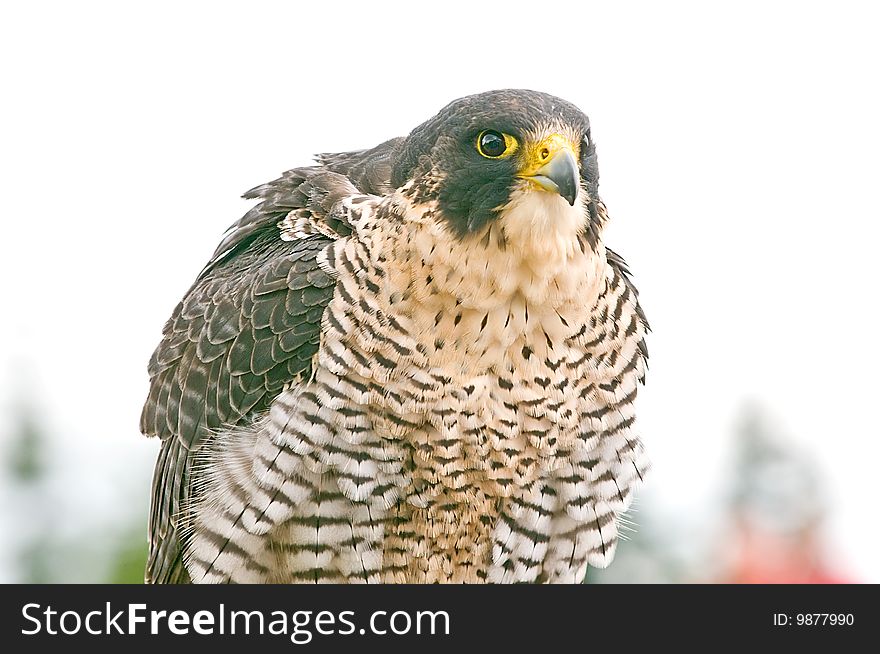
<point x="369" y="170"/>
<point x="249" y="325"/>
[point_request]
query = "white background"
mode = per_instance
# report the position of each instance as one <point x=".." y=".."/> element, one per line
<point x="738" y="148"/>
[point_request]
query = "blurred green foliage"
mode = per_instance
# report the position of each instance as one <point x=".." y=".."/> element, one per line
<point x="42" y="552"/>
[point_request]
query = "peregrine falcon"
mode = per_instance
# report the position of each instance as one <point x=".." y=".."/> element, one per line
<point x="415" y="363"/>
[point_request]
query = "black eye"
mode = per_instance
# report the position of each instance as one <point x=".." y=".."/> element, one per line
<point x="494" y="144"/>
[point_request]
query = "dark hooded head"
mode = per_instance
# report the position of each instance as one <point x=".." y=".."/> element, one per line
<point x="477" y="151"/>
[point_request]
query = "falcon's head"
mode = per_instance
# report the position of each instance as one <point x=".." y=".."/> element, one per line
<point x="500" y="155"/>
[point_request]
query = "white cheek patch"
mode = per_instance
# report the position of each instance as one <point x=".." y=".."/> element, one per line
<point x="542" y="227"/>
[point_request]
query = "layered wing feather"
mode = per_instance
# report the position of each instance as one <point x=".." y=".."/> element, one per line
<point x="369" y="170"/>
<point x="248" y="326"/>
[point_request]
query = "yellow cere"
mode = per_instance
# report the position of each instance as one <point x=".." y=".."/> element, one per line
<point x="538" y="154"/>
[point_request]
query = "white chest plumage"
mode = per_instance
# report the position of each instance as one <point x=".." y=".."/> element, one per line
<point x="469" y="417"/>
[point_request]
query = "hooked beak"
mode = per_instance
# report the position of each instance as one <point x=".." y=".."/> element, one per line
<point x="557" y="169"/>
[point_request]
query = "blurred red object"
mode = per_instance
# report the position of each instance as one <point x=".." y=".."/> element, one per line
<point x="759" y="555"/>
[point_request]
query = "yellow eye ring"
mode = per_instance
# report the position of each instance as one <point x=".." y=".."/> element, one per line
<point x="495" y="145"/>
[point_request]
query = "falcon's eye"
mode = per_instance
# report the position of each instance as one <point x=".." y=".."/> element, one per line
<point x="495" y="145"/>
